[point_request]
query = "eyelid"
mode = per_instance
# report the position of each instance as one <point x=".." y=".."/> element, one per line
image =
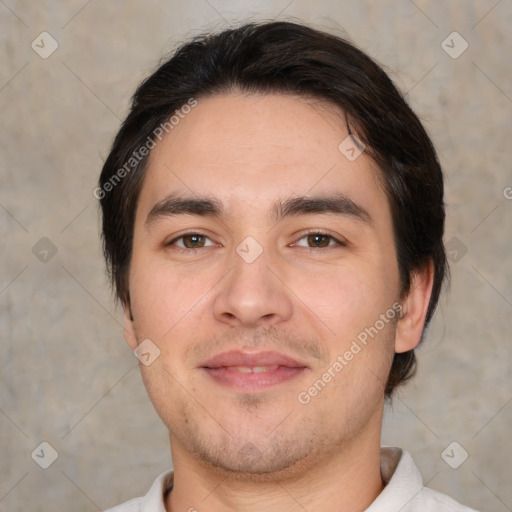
<point x="190" y="232"/>
<point x="339" y="241"/>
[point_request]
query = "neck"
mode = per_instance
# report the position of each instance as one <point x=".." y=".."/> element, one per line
<point x="348" y="478"/>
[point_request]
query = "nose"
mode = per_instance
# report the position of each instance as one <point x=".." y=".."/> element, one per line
<point x="252" y="294"/>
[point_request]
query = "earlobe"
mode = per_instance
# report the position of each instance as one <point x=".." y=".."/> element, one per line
<point x="129" y="329"/>
<point x="414" y="310"/>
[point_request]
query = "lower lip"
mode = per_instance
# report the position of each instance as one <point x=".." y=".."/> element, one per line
<point x="253" y="381"/>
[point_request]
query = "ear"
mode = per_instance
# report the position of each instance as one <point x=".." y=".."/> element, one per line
<point x="414" y="309"/>
<point x="129" y="329"/>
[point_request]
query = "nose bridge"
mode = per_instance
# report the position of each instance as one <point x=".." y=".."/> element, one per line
<point x="251" y="293"/>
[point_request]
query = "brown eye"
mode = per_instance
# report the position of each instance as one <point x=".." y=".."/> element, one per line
<point x="191" y="241"/>
<point x="319" y="240"/>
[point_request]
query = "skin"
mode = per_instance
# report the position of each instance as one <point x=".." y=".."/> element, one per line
<point x="263" y="449"/>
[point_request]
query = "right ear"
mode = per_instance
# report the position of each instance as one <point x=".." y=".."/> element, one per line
<point x="129" y="329"/>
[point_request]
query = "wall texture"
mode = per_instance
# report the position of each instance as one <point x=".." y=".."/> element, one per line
<point x="67" y="377"/>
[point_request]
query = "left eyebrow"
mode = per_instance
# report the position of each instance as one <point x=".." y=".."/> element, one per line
<point x="338" y="204"/>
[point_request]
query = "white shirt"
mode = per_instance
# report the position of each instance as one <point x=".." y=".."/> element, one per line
<point x="403" y="492"/>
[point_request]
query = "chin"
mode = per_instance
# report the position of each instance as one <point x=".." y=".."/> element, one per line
<point x="251" y="464"/>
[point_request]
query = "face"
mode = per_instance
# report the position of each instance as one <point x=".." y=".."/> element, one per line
<point x="264" y="271"/>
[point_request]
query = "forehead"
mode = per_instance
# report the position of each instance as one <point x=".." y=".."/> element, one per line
<point x="244" y="148"/>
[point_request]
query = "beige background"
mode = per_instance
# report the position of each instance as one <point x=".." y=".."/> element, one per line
<point x="67" y="376"/>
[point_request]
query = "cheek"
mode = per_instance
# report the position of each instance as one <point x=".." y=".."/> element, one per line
<point x="345" y="298"/>
<point x="162" y="296"/>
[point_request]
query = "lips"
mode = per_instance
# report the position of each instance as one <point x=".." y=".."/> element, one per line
<point x="247" y="371"/>
<point x="252" y="360"/>
<point x="253" y="369"/>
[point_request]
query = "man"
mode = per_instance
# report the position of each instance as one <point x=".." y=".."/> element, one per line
<point x="272" y="221"/>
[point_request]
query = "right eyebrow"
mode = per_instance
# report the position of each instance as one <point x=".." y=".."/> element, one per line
<point x="172" y="205"/>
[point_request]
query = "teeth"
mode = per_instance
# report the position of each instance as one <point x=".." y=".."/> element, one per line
<point x="241" y="369"/>
<point x="253" y="369"/>
<point x="260" y="369"/>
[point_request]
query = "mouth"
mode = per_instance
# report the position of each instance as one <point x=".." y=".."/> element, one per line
<point x="245" y="371"/>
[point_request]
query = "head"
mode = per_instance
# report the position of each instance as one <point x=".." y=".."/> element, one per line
<point x="237" y="214"/>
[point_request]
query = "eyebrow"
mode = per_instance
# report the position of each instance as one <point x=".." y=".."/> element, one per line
<point x="338" y="204"/>
<point x="207" y="206"/>
<point x="173" y="205"/>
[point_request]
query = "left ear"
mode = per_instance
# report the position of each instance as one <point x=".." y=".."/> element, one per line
<point x="129" y="328"/>
<point x="414" y="309"/>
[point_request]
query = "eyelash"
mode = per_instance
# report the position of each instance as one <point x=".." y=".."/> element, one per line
<point x="332" y="238"/>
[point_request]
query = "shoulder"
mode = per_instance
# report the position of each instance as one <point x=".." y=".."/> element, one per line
<point x="429" y="500"/>
<point x="129" y="506"/>
<point x="404" y="488"/>
<point x="154" y="499"/>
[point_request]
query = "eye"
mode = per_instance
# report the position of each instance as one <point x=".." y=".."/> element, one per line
<point x="318" y="240"/>
<point x="191" y="241"/>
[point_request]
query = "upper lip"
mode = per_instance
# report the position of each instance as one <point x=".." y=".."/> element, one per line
<point x="251" y="359"/>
